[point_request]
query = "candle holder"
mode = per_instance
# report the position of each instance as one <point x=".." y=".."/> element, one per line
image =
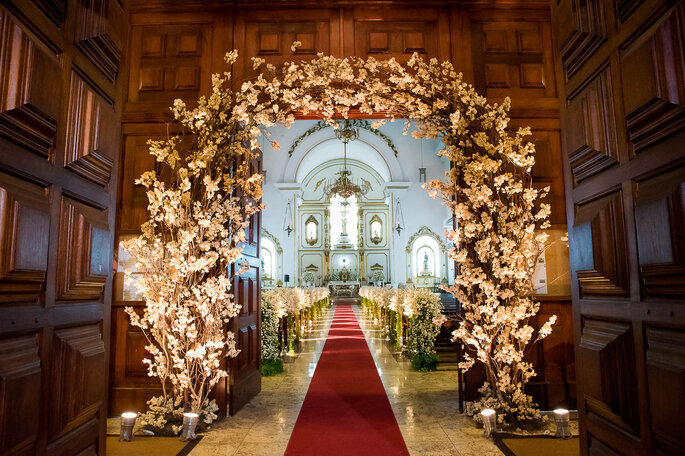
<point x="128" y="421"/>
<point x="489" y="422"/>
<point x="561" y="418"/>
<point x="190" y="421"/>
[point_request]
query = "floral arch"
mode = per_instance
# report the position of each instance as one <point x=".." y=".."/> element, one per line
<point x="201" y="205"/>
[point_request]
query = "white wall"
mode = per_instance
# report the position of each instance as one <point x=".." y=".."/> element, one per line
<point x="418" y="208"/>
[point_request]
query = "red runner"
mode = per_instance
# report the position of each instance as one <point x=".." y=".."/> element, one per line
<point x="346" y="410"/>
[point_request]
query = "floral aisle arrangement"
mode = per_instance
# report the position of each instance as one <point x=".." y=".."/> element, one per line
<point x="199" y="207"/>
<point x="193" y="238"/>
<point x="424" y="310"/>
<point x="299" y="307"/>
<point x="416" y="309"/>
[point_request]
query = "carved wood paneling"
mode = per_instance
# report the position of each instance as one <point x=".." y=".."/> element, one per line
<point x="548" y="171"/>
<point x="91" y="133"/>
<point x="581" y="33"/>
<point x="398" y="39"/>
<point x="600" y="232"/>
<point x="28" y="105"/>
<point x="171" y="62"/>
<point x="660" y="224"/>
<point x="654" y="83"/>
<point x="624" y="8"/>
<point x="24" y="236"/>
<point x="84" y="244"/>
<point x="665" y="378"/>
<point x="60" y="110"/>
<point x="55" y="10"/>
<point x="591" y="140"/>
<point x="270" y="37"/>
<point x="608" y="372"/>
<point x="136" y="161"/>
<point x="78" y="378"/>
<point x="93" y="35"/>
<point x="510" y="60"/>
<point x="20" y="391"/>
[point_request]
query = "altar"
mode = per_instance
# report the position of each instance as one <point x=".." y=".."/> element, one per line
<point x="340" y="288"/>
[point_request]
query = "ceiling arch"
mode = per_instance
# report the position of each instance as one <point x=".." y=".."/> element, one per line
<point x="322" y="146"/>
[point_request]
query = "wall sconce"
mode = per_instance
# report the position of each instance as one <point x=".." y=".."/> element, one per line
<point x="422" y="175"/>
<point x="190" y="421"/>
<point x="128" y="421"/>
<point x="561" y="418"/>
<point x="489" y="422"/>
<point x="288" y="220"/>
<point x="399" y="218"/>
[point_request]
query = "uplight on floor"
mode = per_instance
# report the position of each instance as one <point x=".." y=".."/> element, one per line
<point x="489" y="421"/>
<point x="128" y="421"/>
<point x="561" y="418"/>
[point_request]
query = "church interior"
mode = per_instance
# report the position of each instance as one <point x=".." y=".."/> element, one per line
<point x="267" y="227"/>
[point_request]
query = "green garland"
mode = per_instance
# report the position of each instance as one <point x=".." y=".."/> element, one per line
<point x="363" y="124"/>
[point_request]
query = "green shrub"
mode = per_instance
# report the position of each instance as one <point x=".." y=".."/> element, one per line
<point x="425" y="362"/>
<point x="271" y="367"/>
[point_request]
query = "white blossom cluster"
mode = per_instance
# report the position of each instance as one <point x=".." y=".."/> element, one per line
<point x="199" y="205"/>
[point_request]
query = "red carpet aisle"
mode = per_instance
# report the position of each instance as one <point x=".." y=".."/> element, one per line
<point x="346" y="410"/>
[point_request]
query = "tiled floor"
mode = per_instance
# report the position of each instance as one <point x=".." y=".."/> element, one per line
<point x="425" y="406"/>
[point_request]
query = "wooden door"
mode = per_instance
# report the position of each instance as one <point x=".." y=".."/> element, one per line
<point x="59" y="148"/>
<point x="624" y="70"/>
<point x="245" y="377"/>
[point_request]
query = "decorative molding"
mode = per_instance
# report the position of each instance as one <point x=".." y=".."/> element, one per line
<point x="587" y="35"/>
<point x="90" y="134"/>
<point x="654" y="83"/>
<point x="608" y="275"/>
<point x="78" y="377"/>
<point x="28" y="105"/>
<point x="274" y="239"/>
<point x="591" y="136"/>
<point x="665" y="366"/>
<point x="363" y="124"/>
<point x="424" y="231"/>
<point x="20" y="377"/>
<point x="55" y="10"/>
<point x="83" y="246"/>
<point x="24" y="236"/>
<point x="624" y="8"/>
<point x="91" y="36"/>
<point x="610" y="384"/>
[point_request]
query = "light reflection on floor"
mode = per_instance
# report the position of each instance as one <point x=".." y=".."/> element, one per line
<point x="425" y="405"/>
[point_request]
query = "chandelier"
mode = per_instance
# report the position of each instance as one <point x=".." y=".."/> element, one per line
<point x="344" y="185"/>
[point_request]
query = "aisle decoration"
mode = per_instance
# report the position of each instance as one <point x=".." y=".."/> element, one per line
<point x="193" y="239"/>
<point x="299" y="307"/>
<point x="411" y="315"/>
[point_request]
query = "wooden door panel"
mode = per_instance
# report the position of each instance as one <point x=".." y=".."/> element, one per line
<point x="245" y="377"/>
<point x="623" y="126"/>
<point x="20" y="386"/>
<point x="654" y="82"/>
<point x="60" y="109"/>
<point x="78" y="379"/>
<point x="29" y="108"/>
<point x="24" y="233"/>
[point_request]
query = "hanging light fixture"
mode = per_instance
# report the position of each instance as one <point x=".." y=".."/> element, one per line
<point x="422" y="170"/>
<point x="344" y="185"/>
<point x="288" y="220"/>
<point x="399" y="218"/>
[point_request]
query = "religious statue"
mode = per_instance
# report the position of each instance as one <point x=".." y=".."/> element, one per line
<point x="344" y="204"/>
<point x="425" y="261"/>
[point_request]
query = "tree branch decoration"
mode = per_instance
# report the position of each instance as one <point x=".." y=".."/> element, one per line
<point x="357" y="123"/>
<point x="193" y="239"/>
